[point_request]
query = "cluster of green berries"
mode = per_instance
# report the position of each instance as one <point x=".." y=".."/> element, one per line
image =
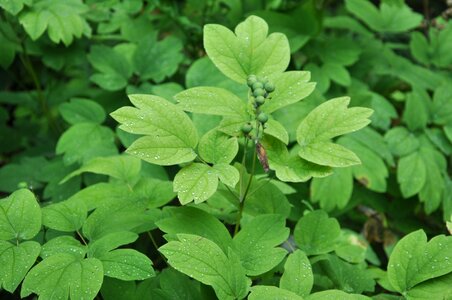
<point x="260" y="89"/>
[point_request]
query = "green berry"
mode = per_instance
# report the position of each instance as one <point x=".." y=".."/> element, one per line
<point x="246" y="128"/>
<point x="269" y="87"/>
<point x="262" y="117"/>
<point x="259" y="100"/>
<point x="258" y="92"/>
<point x="257" y="85"/>
<point x="251" y="80"/>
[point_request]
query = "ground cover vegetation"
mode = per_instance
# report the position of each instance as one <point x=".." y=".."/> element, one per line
<point x="225" y="149"/>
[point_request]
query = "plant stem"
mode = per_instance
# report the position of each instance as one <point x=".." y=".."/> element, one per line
<point x="155" y="245"/>
<point x="81" y="237"/>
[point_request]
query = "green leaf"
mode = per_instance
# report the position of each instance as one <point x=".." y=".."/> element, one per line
<point x="316" y="234"/>
<point x="411" y="174"/>
<point x="62" y="276"/>
<point x="290" y="167"/>
<point x="257" y="242"/>
<point x="263" y="292"/>
<point x="159" y="192"/>
<point x="63" y="244"/>
<point x="110" y="241"/>
<point x="216" y="147"/>
<point x="248" y="51"/>
<point x="170" y="136"/>
<point x="290" y="87"/>
<point x="227" y="174"/>
<point x="113" y="67"/>
<point x="66" y="216"/>
<point x="434" y="187"/>
<point x="14" y="7"/>
<point x="122" y="167"/>
<point x="325" y="122"/>
<point x="63" y="20"/>
<point x="16" y="260"/>
<point x="297" y="276"/>
<point x="413" y="260"/>
<point x="191" y="220"/>
<point x="195" y="182"/>
<point x="419" y="47"/>
<point x="186" y="289"/>
<point x="442" y="105"/>
<point x="127" y="264"/>
<point x="265" y="197"/>
<point x="337" y="52"/>
<point x="417" y="111"/>
<point x="437" y="288"/>
<point x="204" y="261"/>
<point x="97" y="141"/>
<point x="20" y="216"/>
<point x="337" y="73"/>
<point x="401" y="142"/>
<point x="157" y="60"/>
<point x="335" y="294"/>
<point x="82" y="110"/>
<point x="211" y="101"/>
<point x="333" y="191"/>
<point x="277" y="130"/>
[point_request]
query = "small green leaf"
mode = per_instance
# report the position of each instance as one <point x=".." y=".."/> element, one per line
<point x="195" y="182"/>
<point x="265" y="197"/>
<point x="20" y="216"/>
<point x="127" y="264"/>
<point x="337" y="73"/>
<point x="14" y="7"/>
<point x="185" y="289"/>
<point x="297" y="276"/>
<point x="437" y="288"/>
<point x="325" y="122"/>
<point x="414" y="260"/>
<point x="170" y="136"/>
<point x="400" y="141"/>
<point x="62" y="276"/>
<point x="211" y="101"/>
<point x="66" y="216"/>
<point x="227" y="174"/>
<point x="256" y="243"/>
<point x="417" y="110"/>
<point x="316" y="234"/>
<point x="334" y="295"/>
<point x="110" y="241"/>
<point x="16" y="260"/>
<point x="216" y="147"/>
<point x="82" y="110"/>
<point x="277" y="130"/>
<point x="411" y="174"/>
<point x="263" y="292"/>
<point x="248" y="51"/>
<point x="290" y="87"/>
<point x="442" y="104"/>
<point x="63" y="244"/>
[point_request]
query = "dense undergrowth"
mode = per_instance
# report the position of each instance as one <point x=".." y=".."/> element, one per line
<point x="225" y="149"/>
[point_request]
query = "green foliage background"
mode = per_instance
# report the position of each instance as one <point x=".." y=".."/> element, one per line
<point x="79" y="216"/>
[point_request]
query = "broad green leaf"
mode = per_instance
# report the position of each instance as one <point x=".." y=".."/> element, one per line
<point x="195" y="182"/>
<point x="63" y="244"/>
<point x="264" y="197"/>
<point x="211" y="101"/>
<point x="329" y="120"/>
<point x="248" y="51"/>
<point x="334" y="295"/>
<point x="62" y="276"/>
<point x="297" y="276"/>
<point x="290" y="87"/>
<point x="65" y="216"/>
<point x="157" y="60"/>
<point x="113" y="67"/>
<point x="204" y="261"/>
<point x="20" y="216"/>
<point x="170" y="136"/>
<point x="110" y="241"/>
<point x="417" y="110"/>
<point x="290" y="167"/>
<point x="97" y="141"/>
<point x="316" y="234"/>
<point x="159" y="192"/>
<point x="14" y="7"/>
<point x="257" y="242"/>
<point x="16" y="260"/>
<point x="63" y="20"/>
<point x="8" y="47"/>
<point x="442" y="105"/>
<point x="400" y="141"/>
<point x="227" y="174"/>
<point x="337" y="73"/>
<point x="82" y="110"/>
<point x="352" y="247"/>
<point x="333" y="191"/>
<point x="277" y="130"/>
<point x="411" y="174"/>
<point x="231" y="125"/>
<point x="337" y="52"/>
<point x="122" y="167"/>
<point x="185" y="289"/>
<point x="437" y="288"/>
<point x="216" y="147"/>
<point x="414" y="260"/>
<point x="434" y="187"/>
<point x="374" y="141"/>
<point x="127" y="264"/>
<point x="263" y="292"/>
<point x="350" y="278"/>
<point x="191" y="220"/>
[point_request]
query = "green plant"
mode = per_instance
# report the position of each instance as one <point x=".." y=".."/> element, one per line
<point x="240" y="179"/>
